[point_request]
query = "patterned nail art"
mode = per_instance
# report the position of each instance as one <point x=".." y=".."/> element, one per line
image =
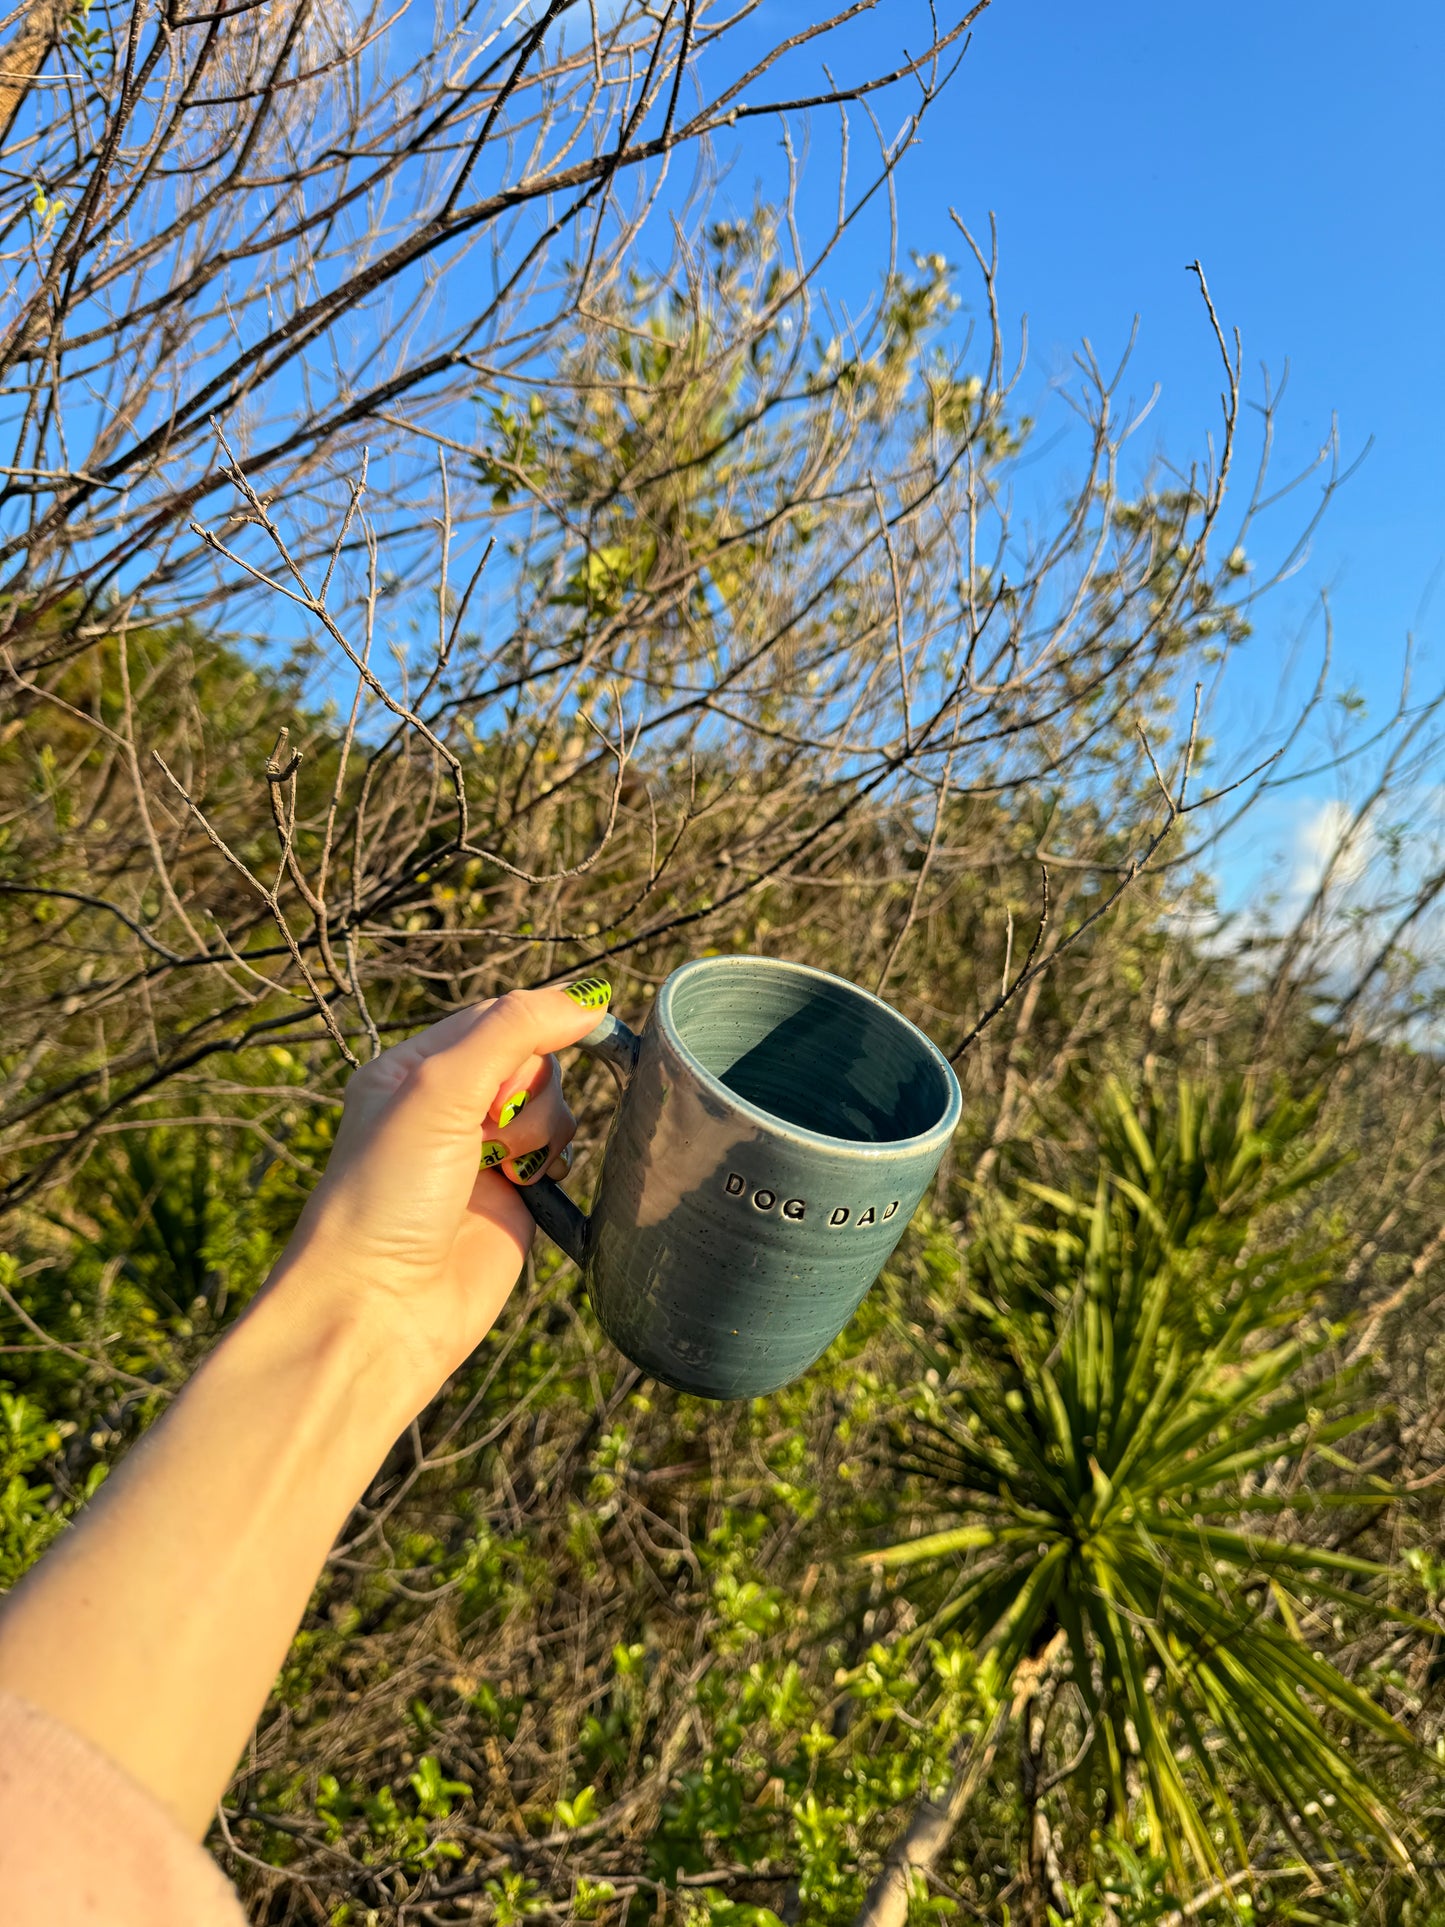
<point x="593" y="993"/>
<point x="510" y="1109"/>
<point x="528" y="1166"/>
<point x="493" y="1151"/>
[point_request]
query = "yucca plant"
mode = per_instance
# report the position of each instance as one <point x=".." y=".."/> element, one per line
<point x="1129" y="1439"/>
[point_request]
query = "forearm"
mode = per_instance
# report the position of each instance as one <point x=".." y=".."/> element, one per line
<point x="157" y="1625"/>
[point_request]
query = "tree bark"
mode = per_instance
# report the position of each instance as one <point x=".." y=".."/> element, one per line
<point x="925" y="1839"/>
<point x="25" y="55"/>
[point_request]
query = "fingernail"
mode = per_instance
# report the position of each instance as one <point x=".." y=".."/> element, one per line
<point x="510" y="1109"/>
<point x="593" y="993"/>
<point x="528" y="1166"/>
<point x="493" y="1151"/>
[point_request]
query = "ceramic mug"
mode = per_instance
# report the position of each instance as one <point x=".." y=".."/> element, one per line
<point x="775" y="1131"/>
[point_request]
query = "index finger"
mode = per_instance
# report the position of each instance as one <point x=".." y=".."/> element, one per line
<point x="464" y="1059"/>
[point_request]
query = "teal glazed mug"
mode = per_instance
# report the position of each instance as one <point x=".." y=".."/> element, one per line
<point x="775" y="1131"/>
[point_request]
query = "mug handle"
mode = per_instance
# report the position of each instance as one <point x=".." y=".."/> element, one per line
<point x="548" y="1203"/>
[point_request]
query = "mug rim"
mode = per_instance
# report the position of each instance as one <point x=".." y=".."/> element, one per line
<point x="941" y="1131"/>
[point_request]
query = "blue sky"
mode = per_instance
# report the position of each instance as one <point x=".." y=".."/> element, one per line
<point x="1299" y="152"/>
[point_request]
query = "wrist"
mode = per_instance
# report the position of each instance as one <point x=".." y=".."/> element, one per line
<point x="355" y="1335"/>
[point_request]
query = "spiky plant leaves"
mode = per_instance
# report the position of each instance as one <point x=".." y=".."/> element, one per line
<point x="1130" y="1381"/>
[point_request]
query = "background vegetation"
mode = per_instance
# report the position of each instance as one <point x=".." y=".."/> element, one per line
<point x="1093" y="1574"/>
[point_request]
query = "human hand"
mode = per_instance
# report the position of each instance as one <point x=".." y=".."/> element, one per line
<point x="416" y="1219"/>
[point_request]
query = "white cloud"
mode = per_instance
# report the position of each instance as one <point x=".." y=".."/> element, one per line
<point x="1327" y="835"/>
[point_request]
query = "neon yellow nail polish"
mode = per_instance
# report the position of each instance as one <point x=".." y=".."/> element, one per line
<point x="593" y="993"/>
<point x="510" y="1109"/>
<point x="493" y="1151"/>
<point x="529" y="1165"/>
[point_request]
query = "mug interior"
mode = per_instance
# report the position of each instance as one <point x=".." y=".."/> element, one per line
<point x="810" y="1051"/>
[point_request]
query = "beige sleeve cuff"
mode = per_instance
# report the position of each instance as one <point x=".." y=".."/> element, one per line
<point x="82" y="1842"/>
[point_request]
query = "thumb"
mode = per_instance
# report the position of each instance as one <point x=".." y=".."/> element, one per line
<point x="464" y="1061"/>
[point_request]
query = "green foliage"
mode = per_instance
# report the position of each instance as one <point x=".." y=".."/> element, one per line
<point x="514" y="1898"/>
<point x="712" y="1907"/>
<point x="412" y="1833"/>
<point x="29" y="1515"/>
<point x="434" y="1792"/>
<point x="1129" y="1394"/>
<point x="590" y="1897"/>
<point x="86" y="41"/>
<point x="1129" y="1889"/>
<point x="166" y="1216"/>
